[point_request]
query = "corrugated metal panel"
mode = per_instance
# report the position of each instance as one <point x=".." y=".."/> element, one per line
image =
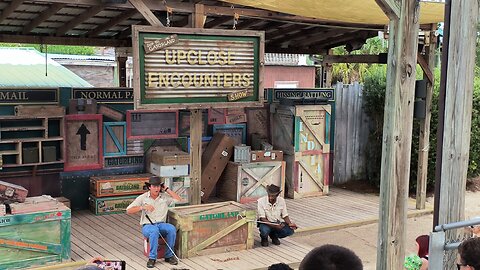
<point x="25" y="67"/>
<point x="206" y="75"/>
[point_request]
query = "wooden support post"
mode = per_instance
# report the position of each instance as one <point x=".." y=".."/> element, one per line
<point x="196" y="131"/>
<point x="424" y="141"/>
<point x="196" y="155"/>
<point x="397" y="136"/>
<point x="457" y="116"/>
<point x="122" y="71"/>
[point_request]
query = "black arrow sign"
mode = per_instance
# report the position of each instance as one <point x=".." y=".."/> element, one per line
<point x="83" y="131"/>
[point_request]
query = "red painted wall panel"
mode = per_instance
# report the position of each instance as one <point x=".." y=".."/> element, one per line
<point x="304" y="75"/>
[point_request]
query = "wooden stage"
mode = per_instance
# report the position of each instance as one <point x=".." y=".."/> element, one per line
<point x="119" y="237"/>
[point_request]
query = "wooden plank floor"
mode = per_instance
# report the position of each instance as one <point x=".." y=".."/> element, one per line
<point x="119" y="237"/>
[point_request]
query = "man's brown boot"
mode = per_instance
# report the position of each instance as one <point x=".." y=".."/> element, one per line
<point x="264" y="242"/>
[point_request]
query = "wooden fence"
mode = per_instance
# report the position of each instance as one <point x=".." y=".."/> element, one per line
<point x="351" y="134"/>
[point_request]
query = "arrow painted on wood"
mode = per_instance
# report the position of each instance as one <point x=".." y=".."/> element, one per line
<point x="83" y="131"/>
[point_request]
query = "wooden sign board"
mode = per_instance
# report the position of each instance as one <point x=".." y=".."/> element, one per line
<point x="275" y="94"/>
<point x="152" y="124"/>
<point x="185" y="68"/>
<point x="83" y="135"/>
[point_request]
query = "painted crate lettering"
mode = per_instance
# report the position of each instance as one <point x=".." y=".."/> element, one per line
<point x="216" y="116"/>
<point x="33" y="239"/>
<point x="247" y="183"/>
<point x="236" y="131"/>
<point x="110" y="205"/>
<point x="212" y="228"/>
<point x="12" y="193"/>
<point x="114" y="138"/>
<point x="312" y="130"/>
<point x="118" y="185"/>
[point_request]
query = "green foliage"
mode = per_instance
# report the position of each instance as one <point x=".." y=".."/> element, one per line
<point x="374" y="94"/>
<point x="60" y="49"/>
<point x="354" y="72"/>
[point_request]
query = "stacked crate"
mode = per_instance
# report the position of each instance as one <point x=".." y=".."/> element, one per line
<point x="303" y="133"/>
<point x="173" y="168"/>
<point x="112" y="194"/>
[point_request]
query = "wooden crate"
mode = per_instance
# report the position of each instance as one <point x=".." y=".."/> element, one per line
<point x="307" y="175"/>
<point x="110" y="112"/>
<point x="118" y="185"/>
<point x="238" y="132"/>
<point x="33" y="239"/>
<point x="39" y="110"/>
<point x="212" y="228"/>
<point x="216" y="116"/>
<point x="135" y="147"/>
<point x="262" y="155"/>
<point x="114" y="139"/>
<point x="214" y="160"/>
<point x="82" y="106"/>
<point x="165" y="158"/>
<point x="184" y="123"/>
<point x="302" y="128"/>
<point x="246" y="183"/>
<point x="151" y="124"/>
<point x="181" y="186"/>
<point x="110" y="205"/>
<point x="12" y="193"/>
<point x="84" y="137"/>
<point x="258" y="120"/>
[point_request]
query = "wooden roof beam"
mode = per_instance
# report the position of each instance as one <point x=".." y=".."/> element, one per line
<point x="152" y="4"/>
<point x="312" y="40"/>
<point x="218" y="21"/>
<point x="390" y="8"/>
<point x="65" y="41"/>
<point x="243" y="25"/>
<point x="87" y="14"/>
<point x="283" y="31"/>
<point x="146" y="12"/>
<point x="114" y="21"/>
<point x="47" y="13"/>
<point x="10" y="9"/>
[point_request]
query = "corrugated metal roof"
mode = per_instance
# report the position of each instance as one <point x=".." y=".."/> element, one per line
<point x="25" y="67"/>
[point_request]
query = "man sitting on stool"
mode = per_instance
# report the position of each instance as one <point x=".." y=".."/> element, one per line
<point x="154" y="205"/>
<point x="273" y="217"/>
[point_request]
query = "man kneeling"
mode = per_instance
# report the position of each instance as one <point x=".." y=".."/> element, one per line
<point x="154" y="206"/>
<point x="273" y="217"/>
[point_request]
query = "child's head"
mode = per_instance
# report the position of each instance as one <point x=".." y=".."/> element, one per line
<point x="422" y="245"/>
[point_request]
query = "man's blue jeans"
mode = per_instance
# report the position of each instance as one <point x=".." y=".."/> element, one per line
<point x="152" y="232"/>
<point x="266" y="230"/>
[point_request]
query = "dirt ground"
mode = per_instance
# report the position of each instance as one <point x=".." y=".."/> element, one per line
<point x="363" y="240"/>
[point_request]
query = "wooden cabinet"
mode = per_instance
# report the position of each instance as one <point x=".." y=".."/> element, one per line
<point x="27" y="141"/>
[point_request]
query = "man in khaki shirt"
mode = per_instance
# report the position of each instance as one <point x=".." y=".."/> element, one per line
<point x="154" y="203"/>
<point x="273" y="216"/>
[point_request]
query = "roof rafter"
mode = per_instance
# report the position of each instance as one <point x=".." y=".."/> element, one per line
<point x="116" y="20"/>
<point x="47" y="13"/>
<point x="10" y="9"/>
<point x="87" y="14"/>
<point x="217" y="22"/>
<point x="390" y="8"/>
<point x="146" y="12"/>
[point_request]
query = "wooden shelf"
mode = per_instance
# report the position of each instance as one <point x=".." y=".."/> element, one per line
<point x="21" y="128"/>
<point x="32" y="164"/>
<point x="9" y="152"/>
<point x="31" y="143"/>
<point x="34" y="139"/>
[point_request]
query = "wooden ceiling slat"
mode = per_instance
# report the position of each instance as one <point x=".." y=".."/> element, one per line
<point x="283" y="31"/>
<point x="118" y="19"/>
<point x="289" y="37"/>
<point x="244" y="25"/>
<point x="50" y="11"/>
<point x="102" y="42"/>
<point x="90" y="12"/>
<point x="10" y="9"/>
<point x="333" y="33"/>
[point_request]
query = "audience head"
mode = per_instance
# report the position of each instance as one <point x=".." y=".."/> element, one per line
<point x="469" y="254"/>
<point x="279" y="266"/>
<point x="331" y="257"/>
<point x="422" y="245"/>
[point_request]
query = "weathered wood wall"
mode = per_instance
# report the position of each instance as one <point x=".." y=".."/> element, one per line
<point x="351" y="133"/>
